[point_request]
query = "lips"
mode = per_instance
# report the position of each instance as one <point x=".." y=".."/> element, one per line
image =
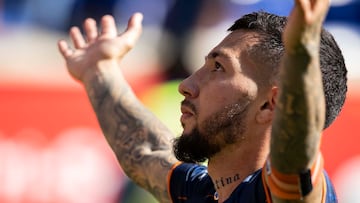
<point x="186" y="113"/>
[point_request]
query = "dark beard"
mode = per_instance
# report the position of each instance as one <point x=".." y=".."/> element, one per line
<point x="222" y="128"/>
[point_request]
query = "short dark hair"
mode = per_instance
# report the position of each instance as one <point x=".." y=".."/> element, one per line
<point x="270" y="49"/>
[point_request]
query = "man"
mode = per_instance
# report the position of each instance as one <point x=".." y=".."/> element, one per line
<point x="255" y="110"/>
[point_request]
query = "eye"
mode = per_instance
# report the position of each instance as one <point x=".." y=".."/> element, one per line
<point x="218" y="67"/>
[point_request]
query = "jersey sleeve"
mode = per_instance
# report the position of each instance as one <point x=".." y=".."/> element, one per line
<point x="330" y="194"/>
<point x="296" y="186"/>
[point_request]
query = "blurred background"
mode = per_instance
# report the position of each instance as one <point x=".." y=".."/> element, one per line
<point x="51" y="147"/>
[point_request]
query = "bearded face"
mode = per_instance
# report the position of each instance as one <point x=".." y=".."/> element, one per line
<point x="208" y="138"/>
<point x="225" y="90"/>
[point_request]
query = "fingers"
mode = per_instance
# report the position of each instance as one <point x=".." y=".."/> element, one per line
<point x="90" y="30"/>
<point x="306" y="4"/>
<point x="64" y="49"/>
<point x="77" y="38"/>
<point x="321" y="7"/>
<point x="108" y="26"/>
<point x="109" y="31"/>
<point x="313" y="9"/>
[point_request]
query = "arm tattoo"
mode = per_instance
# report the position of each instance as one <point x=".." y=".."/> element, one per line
<point x="300" y="111"/>
<point x="140" y="142"/>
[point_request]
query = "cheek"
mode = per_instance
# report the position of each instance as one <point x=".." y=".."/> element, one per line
<point x="213" y="101"/>
<point x="213" y="98"/>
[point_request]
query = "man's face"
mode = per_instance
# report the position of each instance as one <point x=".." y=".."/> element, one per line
<point x="219" y="100"/>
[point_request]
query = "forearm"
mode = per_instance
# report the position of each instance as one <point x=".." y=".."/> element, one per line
<point x="299" y="116"/>
<point x="299" y="119"/>
<point x="300" y="112"/>
<point x="141" y="143"/>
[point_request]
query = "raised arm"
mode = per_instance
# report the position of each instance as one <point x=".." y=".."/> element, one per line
<point x="300" y="108"/>
<point x="140" y="141"/>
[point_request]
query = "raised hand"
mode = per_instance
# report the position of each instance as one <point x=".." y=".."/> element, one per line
<point x="104" y="46"/>
<point x="304" y="23"/>
<point x="141" y="143"/>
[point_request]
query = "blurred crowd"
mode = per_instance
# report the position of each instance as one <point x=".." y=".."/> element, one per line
<point x="179" y="27"/>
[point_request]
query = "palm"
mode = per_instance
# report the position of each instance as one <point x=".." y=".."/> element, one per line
<point x="106" y="46"/>
<point x="82" y="59"/>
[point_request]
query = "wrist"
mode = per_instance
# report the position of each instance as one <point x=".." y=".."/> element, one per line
<point x="101" y="72"/>
<point x="106" y="75"/>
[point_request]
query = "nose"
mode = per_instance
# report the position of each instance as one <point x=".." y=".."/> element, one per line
<point x="188" y="87"/>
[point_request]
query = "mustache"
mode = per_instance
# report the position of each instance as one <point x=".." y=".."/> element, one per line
<point x="188" y="104"/>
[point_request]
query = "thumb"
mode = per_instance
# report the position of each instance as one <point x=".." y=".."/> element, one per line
<point x="132" y="32"/>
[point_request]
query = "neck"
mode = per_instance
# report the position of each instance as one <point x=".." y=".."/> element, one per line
<point x="233" y="164"/>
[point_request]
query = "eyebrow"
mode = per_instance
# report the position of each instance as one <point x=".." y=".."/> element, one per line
<point x="215" y="54"/>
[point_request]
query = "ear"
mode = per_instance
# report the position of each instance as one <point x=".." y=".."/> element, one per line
<point x="266" y="110"/>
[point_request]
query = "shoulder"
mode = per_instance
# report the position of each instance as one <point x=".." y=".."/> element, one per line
<point x="190" y="182"/>
<point x="189" y="174"/>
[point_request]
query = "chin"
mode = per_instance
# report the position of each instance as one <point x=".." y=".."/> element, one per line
<point x="186" y="130"/>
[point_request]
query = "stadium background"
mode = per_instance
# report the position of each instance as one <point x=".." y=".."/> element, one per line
<point x="51" y="147"/>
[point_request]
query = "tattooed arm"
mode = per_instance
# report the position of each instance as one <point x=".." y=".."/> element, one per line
<point x="140" y="141"/>
<point x="300" y="112"/>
